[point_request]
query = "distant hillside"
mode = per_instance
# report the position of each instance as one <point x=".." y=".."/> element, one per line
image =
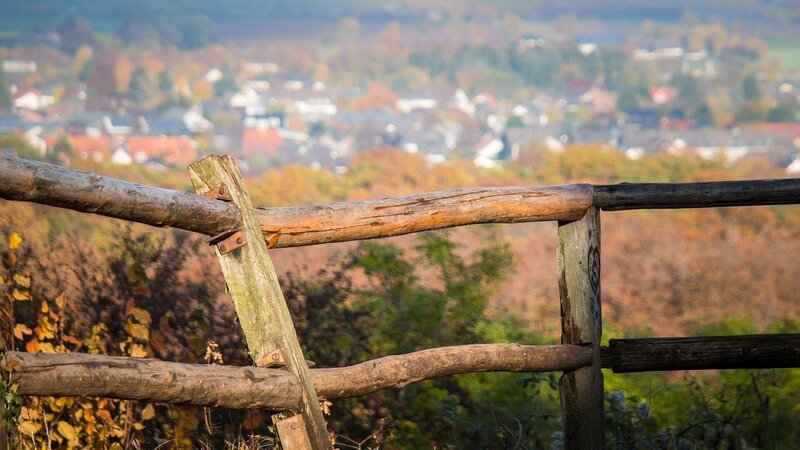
<point x="233" y="18"/>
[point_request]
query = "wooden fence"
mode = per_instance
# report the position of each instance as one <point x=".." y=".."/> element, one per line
<point x="282" y="381"/>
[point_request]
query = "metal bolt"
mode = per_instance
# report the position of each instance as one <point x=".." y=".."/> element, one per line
<point x="240" y="240"/>
<point x="275" y="356"/>
<point x="222" y="190"/>
<point x="294" y="426"/>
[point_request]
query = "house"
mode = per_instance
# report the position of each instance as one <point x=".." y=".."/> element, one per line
<point x="194" y="120"/>
<point x="266" y="119"/>
<point x="260" y="141"/>
<point x="19" y="66"/>
<point x="95" y="148"/>
<point x="488" y="151"/>
<point x="662" y="94"/>
<point x="179" y="150"/>
<point x="121" y="157"/>
<point x="599" y="100"/>
<point x="119" y="125"/>
<point x="794" y="167"/>
<point x="246" y="97"/>
<point x="212" y="76"/>
<point x="31" y="99"/>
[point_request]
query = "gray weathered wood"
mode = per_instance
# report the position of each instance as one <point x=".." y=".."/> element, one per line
<point x="253" y="284"/>
<point x="579" y="289"/>
<point x="624" y="196"/>
<point x="292" y="433"/>
<point x="759" y="351"/>
<point x="83" y="375"/>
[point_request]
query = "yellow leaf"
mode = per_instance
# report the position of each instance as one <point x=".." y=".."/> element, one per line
<point x="66" y="430"/>
<point x="139" y="331"/>
<point x="47" y="347"/>
<point x="20" y="330"/>
<point x="14" y="241"/>
<point x="61" y="300"/>
<point x="148" y="412"/>
<point x="28" y="428"/>
<point x="137" y="351"/>
<point x="142" y="315"/>
<point x="45" y="307"/>
<point x="21" y="296"/>
<point x="22" y="280"/>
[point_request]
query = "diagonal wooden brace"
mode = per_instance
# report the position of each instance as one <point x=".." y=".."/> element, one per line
<point x="253" y="284"/>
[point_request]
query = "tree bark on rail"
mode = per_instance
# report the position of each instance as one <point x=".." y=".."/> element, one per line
<point x="33" y="181"/>
<point x="80" y="374"/>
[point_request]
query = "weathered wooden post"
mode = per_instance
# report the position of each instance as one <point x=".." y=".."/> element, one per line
<point x="579" y="288"/>
<point x="269" y="332"/>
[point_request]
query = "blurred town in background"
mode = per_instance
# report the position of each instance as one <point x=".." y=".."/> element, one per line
<point x="316" y="83"/>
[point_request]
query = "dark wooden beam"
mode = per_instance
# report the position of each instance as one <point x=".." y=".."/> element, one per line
<point x="758" y="351"/>
<point x="624" y="196"/>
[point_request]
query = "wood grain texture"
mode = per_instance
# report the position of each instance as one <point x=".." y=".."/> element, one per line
<point x="400" y="370"/>
<point x="85" y="375"/>
<point x="697" y="195"/>
<point x="758" y="351"/>
<point x="336" y="222"/>
<point x="80" y="374"/>
<point x="292" y="434"/>
<point x="256" y="293"/>
<point x="581" y="324"/>
<point x="38" y="182"/>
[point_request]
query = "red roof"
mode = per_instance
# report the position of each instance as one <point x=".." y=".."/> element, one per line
<point x="170" y="149"/>
<point x="255" y="140"/>
<point x="85" y="147"/>
<point x="792" y="128"/>
<point x="23" y="92"/>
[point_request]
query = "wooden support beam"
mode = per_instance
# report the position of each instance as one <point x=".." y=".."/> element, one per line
<point x="84" y="375"/>
<point x="579" y="289"/>
<point x="3" y="429"/>
<point x="254" y="286"/>
<point x="757" y="351"/>
<point x="624" y="196"/>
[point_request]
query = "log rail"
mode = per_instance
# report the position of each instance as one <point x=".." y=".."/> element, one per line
<point x="79" y="374"/>
<point x="38" y="182"/>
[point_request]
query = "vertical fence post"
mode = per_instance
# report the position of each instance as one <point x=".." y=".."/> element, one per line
<point x="3" y="429"/>
<point x="268" y="329"/>
<point x="579" y="289"/>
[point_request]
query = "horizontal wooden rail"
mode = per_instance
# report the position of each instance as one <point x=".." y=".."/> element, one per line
<point x="34" y="181"/>
<point x="80" y="374"/>
<point x="697" y="195"/>
<point x="758" y="351"/>
<point x="38" y="182"/>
